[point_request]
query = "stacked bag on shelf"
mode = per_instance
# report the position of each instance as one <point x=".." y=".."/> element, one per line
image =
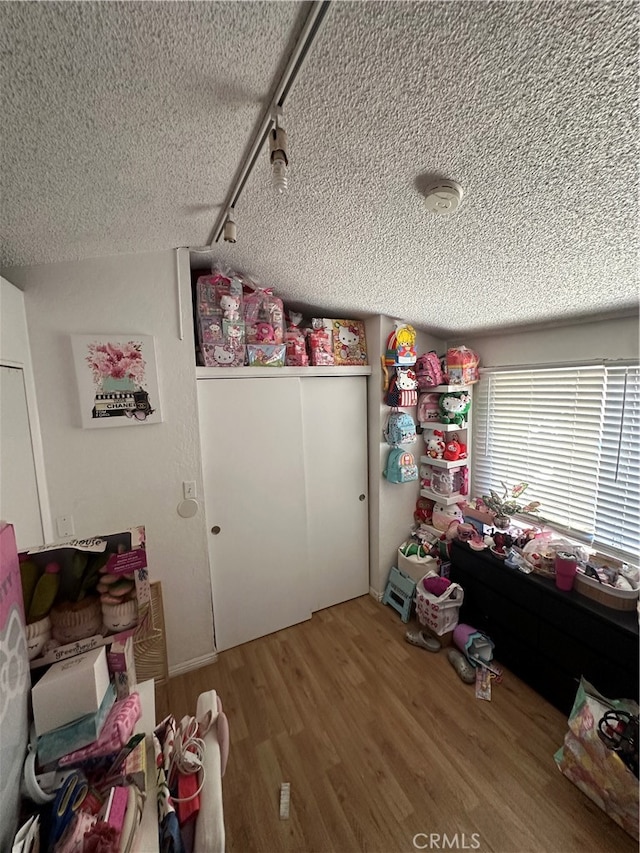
<point x="238" y="322"/>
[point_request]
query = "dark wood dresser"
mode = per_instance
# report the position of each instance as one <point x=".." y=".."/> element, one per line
<point x="547" y="637"/>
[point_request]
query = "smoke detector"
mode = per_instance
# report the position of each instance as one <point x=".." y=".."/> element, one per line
<point x="443" y="198"/>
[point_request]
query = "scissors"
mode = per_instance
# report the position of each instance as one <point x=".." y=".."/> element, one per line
<point x="69" y="798"/>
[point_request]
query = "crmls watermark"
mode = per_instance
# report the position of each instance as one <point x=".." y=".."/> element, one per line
<point x="444" y="841"/>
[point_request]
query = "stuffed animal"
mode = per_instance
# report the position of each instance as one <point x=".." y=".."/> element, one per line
<point x="265" y="333"/>
<point x="454" y="407"/>
<point x="424" y="511"/>
<point x="435" y="445"/>
<point x="230" y="306"/>
<point x="443" y="515"/>
<point x="454" y="449"/>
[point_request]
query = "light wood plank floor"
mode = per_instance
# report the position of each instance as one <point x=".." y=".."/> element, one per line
<point x="380" y="740"/>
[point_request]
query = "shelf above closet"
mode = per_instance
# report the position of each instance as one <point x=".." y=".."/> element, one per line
<point x="275" y="372"/>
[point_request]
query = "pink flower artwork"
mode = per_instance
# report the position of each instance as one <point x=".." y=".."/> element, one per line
<point x="116" y="361"/>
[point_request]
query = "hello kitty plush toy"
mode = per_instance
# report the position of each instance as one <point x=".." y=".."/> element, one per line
<point x="454" y="407"/>
<point x="265" y="333"/>
<point x="435" y="445"/>
<point x="454" y="449"/>
<point x="443" y="515"/>
<point x="230" y="306"/>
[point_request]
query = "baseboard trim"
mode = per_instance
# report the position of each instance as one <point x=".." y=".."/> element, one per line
<point x="194" y="663"/>
<point x="374" y="594"/>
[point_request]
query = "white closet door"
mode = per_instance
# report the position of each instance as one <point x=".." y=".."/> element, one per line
<point x="335" y="438"/>
<point x="253" y="467"/>
<point x="19" y="502"/>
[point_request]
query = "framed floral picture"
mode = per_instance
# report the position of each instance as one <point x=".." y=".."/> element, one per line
<point x="117" y="380"/>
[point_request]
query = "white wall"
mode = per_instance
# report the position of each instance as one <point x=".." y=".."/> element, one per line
<point x="610" y="339"/>
<point x="391" y="504"/>
<point x="111" y="479"/>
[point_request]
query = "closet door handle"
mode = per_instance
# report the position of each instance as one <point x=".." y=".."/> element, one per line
<point x="215" y="530"/>
<point x="362" y="497"/>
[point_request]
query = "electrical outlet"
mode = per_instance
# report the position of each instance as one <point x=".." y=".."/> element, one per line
<point x="189" y="490"/>
<point x="64" y="523"/>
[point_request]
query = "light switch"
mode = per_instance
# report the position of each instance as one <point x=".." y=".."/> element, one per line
<point x="189" y="490"/>
<point x="64" y="523"/>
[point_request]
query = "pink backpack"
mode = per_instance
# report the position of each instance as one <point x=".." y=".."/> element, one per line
<point x="428" y="408"/>
<point x="429" y="371"/>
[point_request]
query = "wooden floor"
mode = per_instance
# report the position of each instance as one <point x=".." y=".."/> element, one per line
<point x="380" y="740"/>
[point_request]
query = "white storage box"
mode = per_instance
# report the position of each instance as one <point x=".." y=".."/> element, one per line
<point x="438" y="613"/>
<point x="69" y="690"/>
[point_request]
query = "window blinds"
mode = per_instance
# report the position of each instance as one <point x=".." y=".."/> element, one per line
<point x="572" y="434"/>
<point x="617" y="522"/>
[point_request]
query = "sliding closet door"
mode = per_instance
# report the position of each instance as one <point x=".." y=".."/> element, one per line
<point x="19" y="500"/>
<point x="253" y="466"/>
<point x="335" y="439"/>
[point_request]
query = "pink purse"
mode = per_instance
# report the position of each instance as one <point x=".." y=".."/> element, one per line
<point x="114" y="735"/>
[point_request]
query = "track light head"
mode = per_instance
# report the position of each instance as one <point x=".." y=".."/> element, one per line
<point x="229" y="232"/>
<point x="279" y="158"/>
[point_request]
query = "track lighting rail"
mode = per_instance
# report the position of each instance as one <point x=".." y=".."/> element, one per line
<point x="296" y="61"/>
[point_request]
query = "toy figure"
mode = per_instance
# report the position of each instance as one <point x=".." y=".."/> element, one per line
<point x="424" y="511"/>
<point x="265" y="333"/>
<point x="454" y="449"/>
<point x="435" y="445"/>
<point x="454" y="407"/>
<point x="443" y="515"/>
<point x="230" y="306"/>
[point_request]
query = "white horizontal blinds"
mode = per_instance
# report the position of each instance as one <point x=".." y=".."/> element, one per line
<point x="618" y="501"/>
<point x="542" y="426"/>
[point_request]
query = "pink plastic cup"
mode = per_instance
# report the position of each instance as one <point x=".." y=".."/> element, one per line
<point x="566" y="567"/>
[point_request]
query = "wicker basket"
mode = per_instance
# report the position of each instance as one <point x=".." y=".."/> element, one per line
<point x="617" y="599"/>
<point x="150" y="650"/>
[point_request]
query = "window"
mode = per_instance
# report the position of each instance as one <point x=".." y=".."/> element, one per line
<point x="573" y="434"/>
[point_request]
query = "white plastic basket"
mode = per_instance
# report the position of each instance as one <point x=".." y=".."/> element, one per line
<point x="438" y="613"/>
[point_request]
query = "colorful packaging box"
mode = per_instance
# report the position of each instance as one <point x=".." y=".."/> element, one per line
<point x="82" y="564"/>
<point x="122" y="666"/>
<point x="349" y="342"/>
<point x="266" y="355"/>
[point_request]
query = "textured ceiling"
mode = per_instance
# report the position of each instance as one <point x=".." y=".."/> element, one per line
<point x="125" y="124"/>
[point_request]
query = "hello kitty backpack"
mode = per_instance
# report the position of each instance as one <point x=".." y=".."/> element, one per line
<point x="402" y="389"/>
<point x="400" y="428"/>
<point x="428" y="408"/>
<point x="401" y="466"/>
<point x="429" y="371"/>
